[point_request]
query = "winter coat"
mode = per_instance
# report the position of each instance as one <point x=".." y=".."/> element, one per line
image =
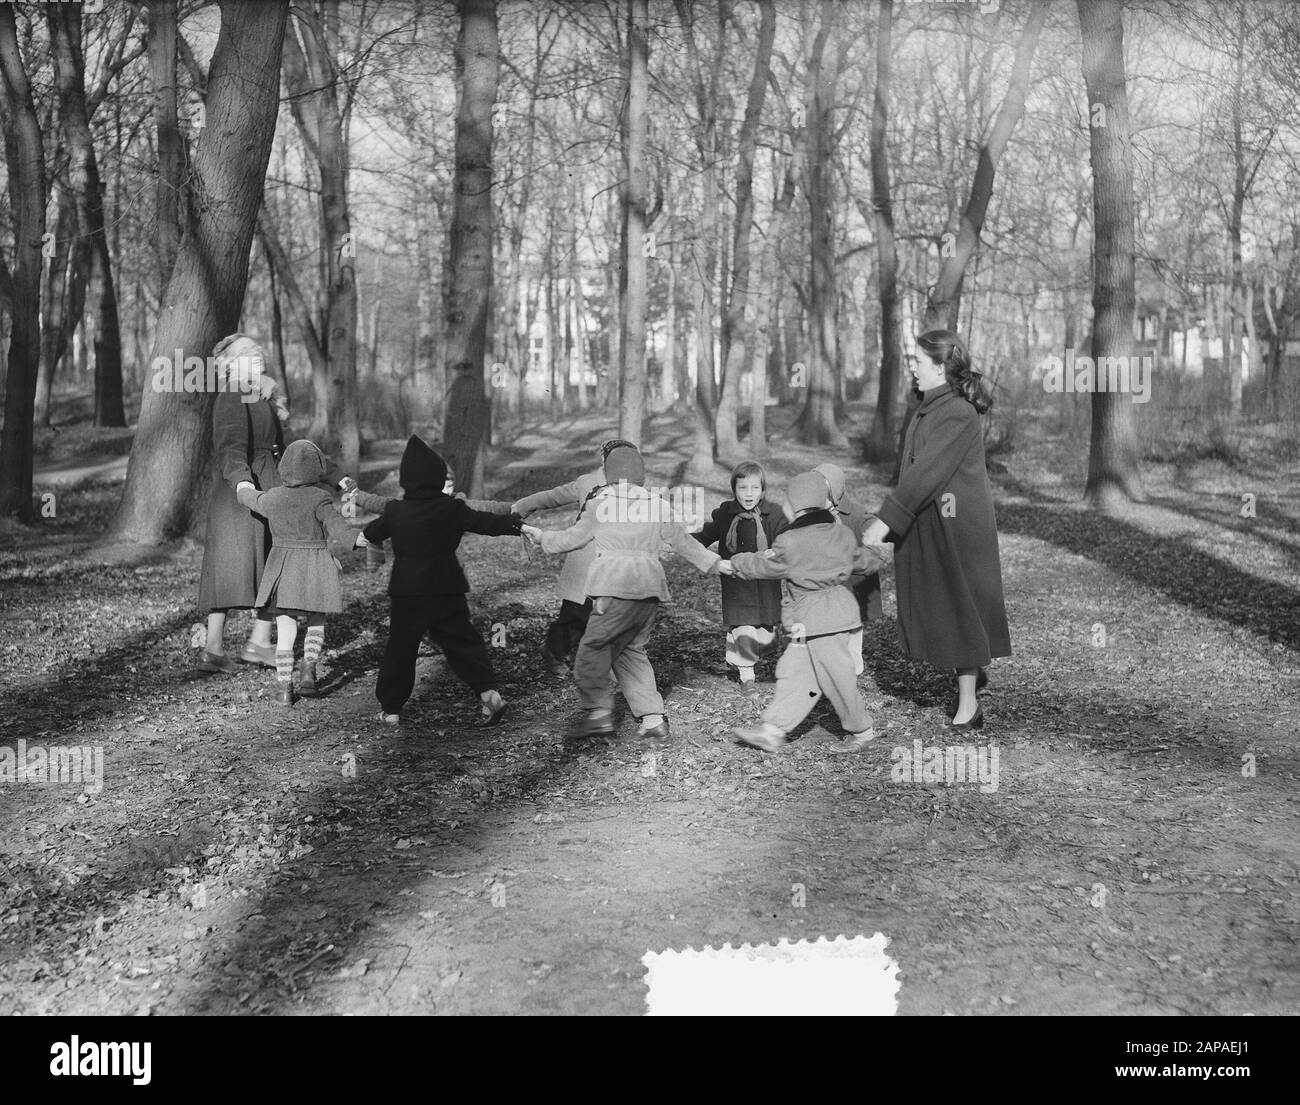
<point x="745" y="601"/>
<point x="426" y="526"/>
<point x="307" y="532"/>
<point x="949" y="576"/>
<point x="814" y="558"/>
<point x="573" y="573"/>
<point x="245" y="438"/>
<point x="626" y="526"/>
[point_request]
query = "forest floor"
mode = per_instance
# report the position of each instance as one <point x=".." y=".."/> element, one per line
<point x="1138" y="855"/>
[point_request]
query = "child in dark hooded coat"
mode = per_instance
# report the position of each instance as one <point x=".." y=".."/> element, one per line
<point x="301" y="576"/>
<point x="428" y="584"/>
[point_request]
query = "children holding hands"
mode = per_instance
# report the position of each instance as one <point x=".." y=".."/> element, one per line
<point x="428" y="587"/>
<point x="625" y="526"/>
<point x="814" y="558"/>
<point x="301" y="577"/>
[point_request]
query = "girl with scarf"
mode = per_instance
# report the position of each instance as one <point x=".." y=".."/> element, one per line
<point x="751" y="608"/>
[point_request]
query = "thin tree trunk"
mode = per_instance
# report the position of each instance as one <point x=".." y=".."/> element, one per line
<point x="818" y="425"/>
<point x="312" y="77"/>
<point x="469" y="290"/>
<point x="945" y="301"/>
<point x="69" y="64"/>
<point x="169" y="188"/>
<point x="882" y="440"/>
<point x="164" y="493"/>
<point x="26" y="172"/>
<point x="632" y="370"/>
<point x="740" y="341"/>
<point x="1114" y="470"/>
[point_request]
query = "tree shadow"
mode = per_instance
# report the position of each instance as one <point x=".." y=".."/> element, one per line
<point x="1169" y="565"/>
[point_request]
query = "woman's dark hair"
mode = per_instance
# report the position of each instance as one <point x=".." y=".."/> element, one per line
<point x="945" y="348"/>
<point x="748" y="468"/>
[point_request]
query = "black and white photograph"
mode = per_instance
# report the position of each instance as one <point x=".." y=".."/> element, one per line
<point x="658" y="508"/>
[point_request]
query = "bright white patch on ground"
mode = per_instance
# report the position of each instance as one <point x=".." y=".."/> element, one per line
<point x="828" y="978"/>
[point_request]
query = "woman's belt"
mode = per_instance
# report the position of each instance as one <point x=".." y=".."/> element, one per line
<point x="299" y="544"/>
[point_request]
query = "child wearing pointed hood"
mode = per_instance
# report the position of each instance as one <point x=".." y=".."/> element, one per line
<point x="301" y="576"/>
<point x="428" y="587"/>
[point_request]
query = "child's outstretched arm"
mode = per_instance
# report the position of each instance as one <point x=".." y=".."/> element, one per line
<point x="710" y="532"/>
<point x="343" y="538"/>
<point x="248" y="495"/>
<point x="565" y="495"/>
<point x="761" y="565"/>
<point x="690" y="547"/>
<point x="563" y="540"/>
<point x="369" y="503"/>
<point x="479" y="521"/>
<point x="486" y="506"/>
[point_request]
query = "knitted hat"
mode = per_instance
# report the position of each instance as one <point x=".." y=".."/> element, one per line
<point x="624" y="463"/>
<point x="423" y="473"/>
<point x="807" y="491"/>
<point x="302" y="464"/>
<point x="612" y="444"/>
<point x="834" y="475"/>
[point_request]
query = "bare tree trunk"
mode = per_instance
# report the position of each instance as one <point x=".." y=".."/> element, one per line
<point x="170" y="185"/>
<point x="739" y="338"/>
<point x="1114" y="461"/>
<point x="882" y="441"/>
<point x="632" y="370"/>
<point x="24" y="157"/>
<point x="63" y="285"/>
<point x="818" y="425"/>
<point x="70" y="69"/>
<point x="163" y="493"/>
<point x="945" y="301"/>
<point x="470" y="245"/>
<point x="312" y="78"/>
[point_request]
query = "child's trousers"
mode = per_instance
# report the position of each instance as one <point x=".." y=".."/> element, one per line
<point x="617" y="634"/>
<point x="821" y="665"/>
<point x="445" y="618"/>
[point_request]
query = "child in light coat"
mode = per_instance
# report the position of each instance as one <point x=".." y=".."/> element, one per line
<point x="626" y="527"/>
<point x="814" y="558"/>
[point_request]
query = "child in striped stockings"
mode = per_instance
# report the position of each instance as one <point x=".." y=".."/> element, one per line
<point x="301" y="577"/>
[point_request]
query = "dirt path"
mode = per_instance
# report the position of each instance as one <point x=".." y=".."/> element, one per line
<point x="241" y="858"/>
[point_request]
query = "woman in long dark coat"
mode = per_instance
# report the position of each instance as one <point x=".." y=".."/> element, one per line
<point x="246" y="438"/>
<point x="946" y="565"/>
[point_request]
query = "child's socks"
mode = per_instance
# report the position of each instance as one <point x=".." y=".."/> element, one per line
<point x="284" y="667"/>
<point x="312" y="644"/>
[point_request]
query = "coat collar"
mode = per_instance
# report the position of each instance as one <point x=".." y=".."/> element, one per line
<point x="813" y="518"/>
<point x="935" y="396"/>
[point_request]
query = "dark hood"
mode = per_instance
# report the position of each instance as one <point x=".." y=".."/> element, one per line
<point x="303" y="464"/>
<point x="423" y="473"/>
